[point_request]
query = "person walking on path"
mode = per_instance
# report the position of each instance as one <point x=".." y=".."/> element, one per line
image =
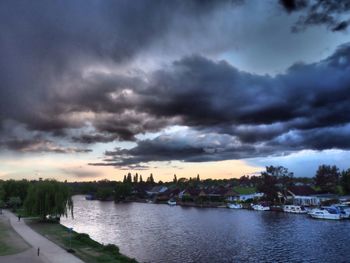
<point x="38" y="251"/>
<point x="19" y="218"/>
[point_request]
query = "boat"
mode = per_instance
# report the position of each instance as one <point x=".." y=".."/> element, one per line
<point x="171" y="202"/>
<point x="344" y="210"/>
<point x="331" y="213"/>
<point x="90" y="197"/>
<point x="296" y="209"/>
<point x="260" y="207"/>
<point x="234" y="206"/>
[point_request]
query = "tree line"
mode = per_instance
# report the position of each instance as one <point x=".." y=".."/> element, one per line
<point x="328" y="179"/>
<point x="45" y="197"/>
<point x="38" y="198"/>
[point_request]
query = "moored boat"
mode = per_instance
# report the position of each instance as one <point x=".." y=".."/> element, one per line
<point x="171" y="202"/>
<point x="90" y="197"/>
<point x="260" y="207"/>
<point x="296" y="209"/>
<point x="234" y="206"/>
<point x="331" y="213"/>
<point x="344" y="210"/>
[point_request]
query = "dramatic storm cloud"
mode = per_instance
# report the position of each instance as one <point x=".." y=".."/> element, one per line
<point x="331" y="13"/>
<point x="132" y="82"/>
<point x="247" y="115"/>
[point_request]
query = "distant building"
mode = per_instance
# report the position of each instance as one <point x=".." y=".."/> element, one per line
<point x="249" y="196"/>
<point x="157" y="190"/>
<point x="307" y="196"/>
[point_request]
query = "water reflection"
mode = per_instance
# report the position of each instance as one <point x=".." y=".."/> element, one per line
<point x="160" y="233"/>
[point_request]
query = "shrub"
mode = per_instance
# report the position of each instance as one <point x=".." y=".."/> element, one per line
<point x="113" y="249"/>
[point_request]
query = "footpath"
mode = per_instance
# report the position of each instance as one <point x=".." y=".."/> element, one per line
<point x="49" y="251"/>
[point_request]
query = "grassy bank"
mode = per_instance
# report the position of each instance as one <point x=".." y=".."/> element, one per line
<point x="242" y="190"/>
<point x="84" y="247"/>
<point x="10" y="241"/>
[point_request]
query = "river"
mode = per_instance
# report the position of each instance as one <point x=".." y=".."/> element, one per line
<point x="161" y="233"/>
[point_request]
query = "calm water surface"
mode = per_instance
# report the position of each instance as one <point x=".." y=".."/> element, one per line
<point x="160" y="233"/>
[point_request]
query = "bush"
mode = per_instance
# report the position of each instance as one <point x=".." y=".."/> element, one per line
<point x="113" y="249"/>
<point x="81" y="237"/>
<point x="85" y="239"/>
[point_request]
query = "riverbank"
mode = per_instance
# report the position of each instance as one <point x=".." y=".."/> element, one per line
<point x="83" y="246"/>
<point x="53" y="240"/>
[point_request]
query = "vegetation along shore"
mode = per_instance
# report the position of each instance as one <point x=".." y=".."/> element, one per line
<point x="44" y="202"/>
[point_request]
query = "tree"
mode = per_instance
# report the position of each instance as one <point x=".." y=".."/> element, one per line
<point x="175" y="179"/>
<point x="273" y="180"/>
<point x="104" y="193"/>
<point x="136" y="178"/>
<point x="15" y="188"/>
<point x="2" y="192"/>
<point x="345" y="181"/>
<point x="129" y="178"/>
<point x="48" y="197"/>
<point x="141" y="180"/>
<point x="244" y="180"/>
<point x="268" y="186"/>
<point x="14" y="202"/>
<point x="327" y="178"/>
<point x="122" y="191"/>
<point x="150" y="179"/>
<point x="198" y="179"/>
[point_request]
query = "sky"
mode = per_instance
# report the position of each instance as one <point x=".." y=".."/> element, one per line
<point x="93" y="89"/>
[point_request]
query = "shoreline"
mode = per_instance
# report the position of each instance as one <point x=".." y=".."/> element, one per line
<point x="55" y="240"/>
<point x="246" y="206"/>
<point x="80" y="244"/>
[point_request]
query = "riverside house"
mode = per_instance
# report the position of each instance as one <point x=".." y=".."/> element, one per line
<point x="307" y="196"/>
<point x="302" y="195"/>
<point x="156" y="190"/>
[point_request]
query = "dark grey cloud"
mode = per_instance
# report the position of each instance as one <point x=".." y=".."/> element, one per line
<point x="247" y="115"/>
<point x="187" y="145"/>
<point x="293" y="5"/>
<point x="80" y="172"/>
<point x="334" y="14"/>
<point x="318" y="139"/>
<point x="67" y="74"/>
<point x="46" y="46"/>
<point x="37" y="145"/>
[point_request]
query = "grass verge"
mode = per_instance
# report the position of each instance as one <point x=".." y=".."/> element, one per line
<point x="244" y="190"/>
<point x="84" y="247"/>
<point x="10" y="241"/>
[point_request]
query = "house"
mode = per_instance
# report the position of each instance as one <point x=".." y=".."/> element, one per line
<point x="302" y="195"/>
<point x="168" y="194"/>
<point x="326" y="197"/>
<point x="157" y="190"/>
<point x="245" y="197"/>
<point x="189" y="194"/>
<point x="231" y="195"/>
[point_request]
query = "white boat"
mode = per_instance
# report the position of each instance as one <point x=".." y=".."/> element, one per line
<point x="234" y="206"/>
<point x="344" y="210"/>
<point x="171" y="202"/>
<point x="296" y="209"/>
<point x="261" y="208"/>
<point x="326" y="213"/>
